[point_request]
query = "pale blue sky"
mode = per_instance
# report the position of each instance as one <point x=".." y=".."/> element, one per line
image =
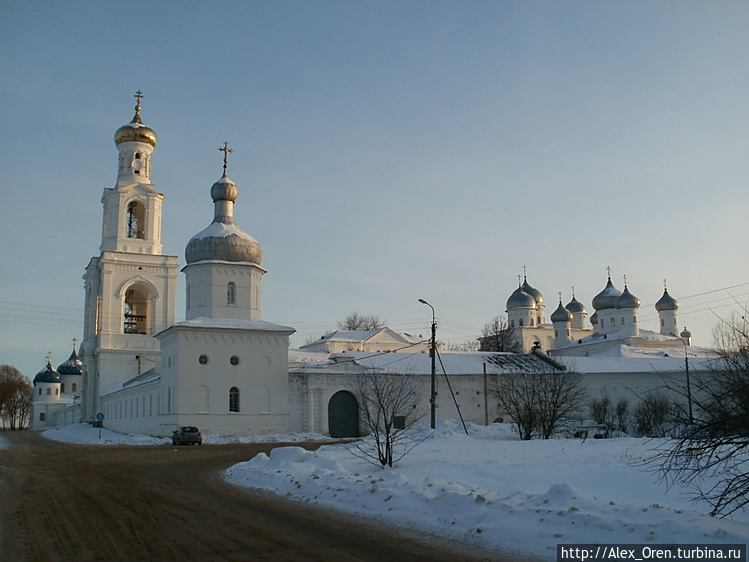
<point x="386" y="152"/>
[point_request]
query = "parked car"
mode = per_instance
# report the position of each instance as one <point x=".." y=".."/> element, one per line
<point x="187" y="435"/>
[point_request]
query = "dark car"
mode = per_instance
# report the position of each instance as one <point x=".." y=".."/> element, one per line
<point x="187" y="435"/>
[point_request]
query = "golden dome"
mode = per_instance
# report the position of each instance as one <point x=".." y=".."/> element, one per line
<point x="136" y="131"/>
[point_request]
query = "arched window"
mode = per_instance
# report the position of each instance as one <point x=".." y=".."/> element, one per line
<point x="75" y="387"/>
<point x="40" y="391"/>
<point x="42" y="416"/>
<point x="520" y="322"/>
<point x="135" y="221"/>
<point x="531" y="321"/>
<point x="234" y="399"/>
<point x="62" y="387"/>
<point x="49" y="391"/>
<point x="135" y="310"/>
<point x="231" y="294"/>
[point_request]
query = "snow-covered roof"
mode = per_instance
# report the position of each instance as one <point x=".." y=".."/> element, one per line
<point x="231" y="324"/>
<point x="358" y="336"/>
<point x="634" y="359"/>
<point x="420" y="363"/>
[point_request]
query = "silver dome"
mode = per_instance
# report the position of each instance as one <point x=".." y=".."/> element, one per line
<point x="576" y="307"/>
<point x="535" y="293"/>
<point x="594" y="318"/>
<point x="520" y="299"/>
<point x="666" y="302"/>
<point x="627" y="300"/>
<point x="607" y="298"/>
<point x="223" y="240"/>
<point x="561" y="314"/>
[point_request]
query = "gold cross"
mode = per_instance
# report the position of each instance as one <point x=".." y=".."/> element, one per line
<point x="74" y="341"/>
<point x="608" y="270"/>
<point x="625" y="280"/>
<point x="226" y="150"/>
<point x="138" y="95"/>
<point x="573" y="291"/>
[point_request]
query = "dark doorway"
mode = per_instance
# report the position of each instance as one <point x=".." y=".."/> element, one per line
<point x="343" y="415"/>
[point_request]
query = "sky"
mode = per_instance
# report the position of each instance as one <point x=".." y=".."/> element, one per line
<point x="483" y="487"/>
<point x="386" y="152"/>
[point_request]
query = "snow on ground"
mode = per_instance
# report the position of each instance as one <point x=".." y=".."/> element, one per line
<point x="487" y="488"/>
<point x="490" y="489"/>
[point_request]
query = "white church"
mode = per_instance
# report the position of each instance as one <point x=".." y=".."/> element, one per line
<point x="227" y="371"/>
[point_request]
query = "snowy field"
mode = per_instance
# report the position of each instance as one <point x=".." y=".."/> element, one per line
<point x="487" y="488"/>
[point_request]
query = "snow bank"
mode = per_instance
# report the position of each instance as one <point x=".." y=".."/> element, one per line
<point x="492" y="490"/>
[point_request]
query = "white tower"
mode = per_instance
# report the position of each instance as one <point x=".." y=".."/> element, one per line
<point x="129" y="287"/>
<point x="667" y="306"/>
<point x="223" y="270"/>
<point x="561" y="318"/>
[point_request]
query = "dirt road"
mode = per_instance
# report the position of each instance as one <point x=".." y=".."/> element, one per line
<point x="80" y="502"/>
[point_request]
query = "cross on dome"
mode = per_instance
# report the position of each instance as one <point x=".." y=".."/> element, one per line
<point x="226" y="150"/>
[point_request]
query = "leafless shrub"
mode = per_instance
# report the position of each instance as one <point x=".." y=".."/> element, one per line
<point x="540" y="402"/>
<point x="388" y="409"/>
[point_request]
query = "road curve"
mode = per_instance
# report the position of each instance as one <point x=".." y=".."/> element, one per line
<point x="88" y="503"/>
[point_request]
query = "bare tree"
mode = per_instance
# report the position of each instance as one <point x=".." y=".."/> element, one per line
<point x="709" y="452"/>
<point x="541" y="401"/>
<point x="16" y="396"/>
<point x="356" y="321"/>
<point x="496" y="335"/>
<point x="388" y="408"/>
<point x="611" y="417"/>
<point x="468" y="345"/>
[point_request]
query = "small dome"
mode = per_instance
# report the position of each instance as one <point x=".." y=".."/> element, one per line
<point x="576" y="307"/>
<point x="48" y="374"/>
<point x="561" y="314"/>
<point x="666" y="302"/>
<point x="594" y="319"/>
<point x="535" y="293"/>
<point x="223" y="240"/>
<point x="520" y="299"/>
<point x="627" y="300"/>
<point x="135" y="131"/>
<point x="686" y="334"/>
<point x="607" y="298"/>
<point x="224" y="190"/>
<point x="72" y="366"/>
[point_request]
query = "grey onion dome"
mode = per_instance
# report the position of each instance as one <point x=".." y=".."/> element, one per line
<point x="666" y="302"/>
<point x="48" y="374"/>
<point x="627" y="300"/>
<point x="223" y="240"/>
<point x="561" y="314"/>
<point x="520" y="299"/>
<point x="135" y="131"/>
<point x="686" y="334"/>
<point x="72" y="366"/>
<point x="594" y="319"/>
<point x="575" y="307"/>
<point x="607" y="298"/>
<point x="535" y="293"/>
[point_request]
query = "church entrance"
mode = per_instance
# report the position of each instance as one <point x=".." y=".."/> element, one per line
<point x="343" y="415"/>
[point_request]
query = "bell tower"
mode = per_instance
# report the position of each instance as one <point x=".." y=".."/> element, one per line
<point x="130" y="286"/>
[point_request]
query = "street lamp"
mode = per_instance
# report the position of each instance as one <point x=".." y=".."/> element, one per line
<point x="685" y="336"/>
<point x="433" y="355"/>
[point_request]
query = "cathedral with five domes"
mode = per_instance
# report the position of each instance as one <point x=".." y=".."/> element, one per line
<point x="614" y="322"/>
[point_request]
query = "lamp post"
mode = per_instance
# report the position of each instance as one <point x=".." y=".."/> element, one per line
<point x="433" y="355"/>
<point x="686" y="371"/>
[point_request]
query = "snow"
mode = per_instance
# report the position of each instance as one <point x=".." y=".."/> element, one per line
<point x="487" y="489"/>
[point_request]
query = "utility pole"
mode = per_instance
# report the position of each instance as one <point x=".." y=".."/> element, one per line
<point x="433" y="355"/>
